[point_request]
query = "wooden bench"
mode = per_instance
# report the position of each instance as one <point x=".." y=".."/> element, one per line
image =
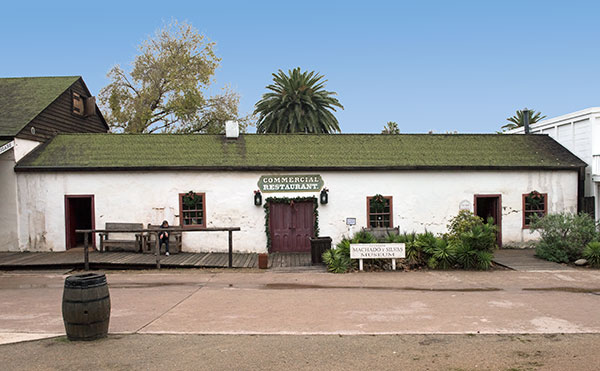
<point x="149" y="241"/>
<point x="115" y="244"/>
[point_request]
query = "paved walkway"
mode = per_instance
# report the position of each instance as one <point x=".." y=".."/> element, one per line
<point x="525" y="260"/>
<point x="270" y="302"/>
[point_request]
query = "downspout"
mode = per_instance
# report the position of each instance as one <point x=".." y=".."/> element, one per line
<point x="580" y="188"/>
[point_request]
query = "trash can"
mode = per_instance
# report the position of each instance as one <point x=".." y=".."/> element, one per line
<point x="86" y="306"/>
<point x="318" y="246"/>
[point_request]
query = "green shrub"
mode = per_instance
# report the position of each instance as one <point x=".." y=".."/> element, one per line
<point x="592" y="254"/>
<point x="552" y="250"/>
<point x="463" y="222"/>
<point x="338" y="259"/>
<point x="442" y="254"/>
<point x="401" y="238"/>
<point x="469" y="258"/>
<point x="363" y="237"/>
<point x="475" y="247"/>
<point x="564" y="236"/>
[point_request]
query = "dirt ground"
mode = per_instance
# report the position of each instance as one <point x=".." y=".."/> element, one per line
<point x="332" y="352"/>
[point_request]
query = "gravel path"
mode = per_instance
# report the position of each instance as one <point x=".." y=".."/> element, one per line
<point x="275" y="352"/>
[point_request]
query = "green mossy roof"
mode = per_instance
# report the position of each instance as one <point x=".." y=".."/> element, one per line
<point x="4" y="141"/>
<point x="297" y="151"/>
<point x="23" y="98"/>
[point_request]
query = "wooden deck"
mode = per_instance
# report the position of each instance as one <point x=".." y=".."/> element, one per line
<point x="129" y="260"/>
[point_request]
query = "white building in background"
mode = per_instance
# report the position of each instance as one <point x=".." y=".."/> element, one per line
<point x="579" y="132"/>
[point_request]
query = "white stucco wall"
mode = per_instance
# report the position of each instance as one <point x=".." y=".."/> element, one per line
<point x="421" y="199"/>
<point x="8" y="193"/>
<point x="8" y="202"/>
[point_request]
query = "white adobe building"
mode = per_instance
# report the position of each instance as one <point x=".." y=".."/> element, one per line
<point x="60" y="171"/>
<point x="82" y="180"/>
<point x="579" y="132"/>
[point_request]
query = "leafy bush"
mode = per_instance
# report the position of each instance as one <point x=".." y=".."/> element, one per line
<point x="474" y="247"/>
<point x="441" y="254"/>
<point x="401" y="238"/>
<point x="469" y="245"/>
<point x="338" y="259"/>
<point x="469" y="258"/>
<point x="363" y="237"/>
<point x="463" y="222"/>
<point x="552" y="250"/>
<point x="564" y="236"/>
<point x="592" y="254"/>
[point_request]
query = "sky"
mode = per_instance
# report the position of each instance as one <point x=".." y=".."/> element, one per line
<point x="444" y="66"/>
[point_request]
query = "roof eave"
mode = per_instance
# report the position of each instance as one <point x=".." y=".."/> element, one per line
<point x="21" y="168"/>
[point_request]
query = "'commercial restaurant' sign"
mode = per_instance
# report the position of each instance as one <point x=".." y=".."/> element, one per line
<point x="290" y="183"/>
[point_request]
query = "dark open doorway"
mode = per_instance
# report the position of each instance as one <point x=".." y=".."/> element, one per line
<point x="79" y="214"/>
<point x="490" y="206"/>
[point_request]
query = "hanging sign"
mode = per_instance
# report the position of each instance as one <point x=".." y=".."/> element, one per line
<point x="7" y="146"/>
<point x="290" y="183"/>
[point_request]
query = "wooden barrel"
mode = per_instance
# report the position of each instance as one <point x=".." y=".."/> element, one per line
<point x="86" y="306"/>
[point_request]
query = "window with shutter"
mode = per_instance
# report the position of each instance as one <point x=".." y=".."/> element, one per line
<point x="78" y="107"/>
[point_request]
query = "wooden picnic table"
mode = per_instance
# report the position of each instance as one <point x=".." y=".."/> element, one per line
<point x="86" y="232"/>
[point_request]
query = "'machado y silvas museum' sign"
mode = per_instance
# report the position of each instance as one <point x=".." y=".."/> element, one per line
<point x="290" y="183"/>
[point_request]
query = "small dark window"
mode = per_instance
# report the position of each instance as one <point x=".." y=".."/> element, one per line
<point x="534" y="204"/>
<point x="78" y="107"/>
<point x="379" y="211"/>
<point x="192" y="209"/>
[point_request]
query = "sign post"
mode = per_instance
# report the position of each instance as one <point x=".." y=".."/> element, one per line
<point x="392" y="251"/>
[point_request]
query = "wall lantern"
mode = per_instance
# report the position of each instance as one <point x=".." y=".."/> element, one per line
<point x="324" y="196"/>
<point x="257" y="198"/>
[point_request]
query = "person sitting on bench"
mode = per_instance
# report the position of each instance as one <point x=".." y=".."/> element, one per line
<point x="163" y="237"/>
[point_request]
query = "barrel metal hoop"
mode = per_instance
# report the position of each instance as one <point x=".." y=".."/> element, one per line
<point x="86" y="301"/>
<point x="88" y="323"/>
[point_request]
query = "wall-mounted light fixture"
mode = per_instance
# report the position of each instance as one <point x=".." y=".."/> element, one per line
<point x="257" y="198"/>
<point x="324" y="196"/>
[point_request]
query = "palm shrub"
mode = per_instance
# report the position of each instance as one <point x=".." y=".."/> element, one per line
<point x="564" y="236"/>
<point x="474" y="247"/>
<point x="442" y="254"/>
<point x="338" y="259"/>
<point x="592" y="254"/>
<point x="432" y="251"/>
<point x="363" y="236"/>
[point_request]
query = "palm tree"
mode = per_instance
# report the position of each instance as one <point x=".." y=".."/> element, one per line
<point x="516" y="121"/>
<point x="391" y="128"/>
<point x="297" y="103"/>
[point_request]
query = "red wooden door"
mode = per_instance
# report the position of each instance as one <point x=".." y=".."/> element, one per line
<point x="291" y="226"/>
